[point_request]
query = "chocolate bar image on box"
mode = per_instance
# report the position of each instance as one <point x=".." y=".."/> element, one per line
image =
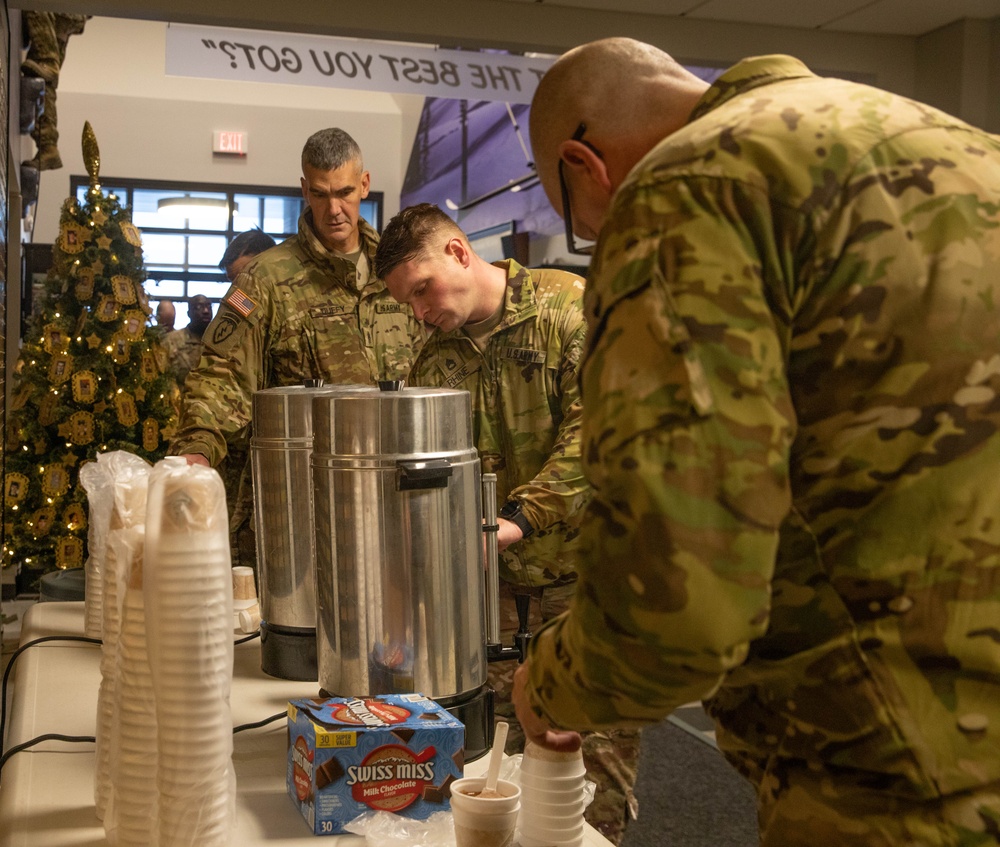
<point x="438" y="793"/>
<point x="328" y="773"/>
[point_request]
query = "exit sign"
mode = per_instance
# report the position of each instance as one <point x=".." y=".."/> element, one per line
<point x="232" y="143"/>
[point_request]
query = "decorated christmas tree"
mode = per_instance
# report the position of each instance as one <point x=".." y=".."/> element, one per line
<point x="91" y="377"/>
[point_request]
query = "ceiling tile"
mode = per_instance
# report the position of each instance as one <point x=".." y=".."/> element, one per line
<point x="890" y="17"/>
<point x="912" y="17"/>
<point x="792" y="13"/>
<point x="646" y="7"/>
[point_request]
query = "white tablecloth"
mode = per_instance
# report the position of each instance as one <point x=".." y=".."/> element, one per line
<point x="47" y="791"/>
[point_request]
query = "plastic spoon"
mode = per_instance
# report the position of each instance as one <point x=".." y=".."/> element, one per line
<point x="496" y="757"/>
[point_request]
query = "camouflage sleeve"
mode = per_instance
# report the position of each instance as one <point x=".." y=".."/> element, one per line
<point x="218" y="394"/>
<point x="559" y="490"/>
<point x="687" y="432"/>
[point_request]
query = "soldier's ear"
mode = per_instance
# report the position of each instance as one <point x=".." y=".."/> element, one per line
<point x="585" y="162"/>
<point x="460" y="250"/>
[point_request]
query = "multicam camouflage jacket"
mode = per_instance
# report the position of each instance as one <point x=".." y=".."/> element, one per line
<point x="294" y="314"/>
<point x="526" y="412"/>
<point x="183" y="350"/>
<point x="792" y="428"/>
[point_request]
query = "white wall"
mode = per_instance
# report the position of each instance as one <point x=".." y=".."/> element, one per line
<point x="152" y="126"/>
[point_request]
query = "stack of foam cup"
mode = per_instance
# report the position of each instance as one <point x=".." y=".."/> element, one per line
<point x="128" y="510"/>
<point x="189" y="613"/>
<point x="484" y="819"/>
<point x="97" y="480"/>
<point x="132" y="807"/>
<point x="553" y="801"/>
<point x="246" y="611"/>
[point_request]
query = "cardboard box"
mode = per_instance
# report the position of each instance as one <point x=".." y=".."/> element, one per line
<point x="395" y="752"/>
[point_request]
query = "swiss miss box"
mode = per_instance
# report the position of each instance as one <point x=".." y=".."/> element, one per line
<point x="394" y="752"/>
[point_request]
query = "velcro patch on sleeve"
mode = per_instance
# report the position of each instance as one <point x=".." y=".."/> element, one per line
<point x="241" y="302"/>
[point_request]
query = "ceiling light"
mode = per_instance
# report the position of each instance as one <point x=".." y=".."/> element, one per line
<point x="202" y="209"/>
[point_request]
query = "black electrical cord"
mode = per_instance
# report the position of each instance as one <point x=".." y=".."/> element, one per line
<point x="10" y="664"/>
<point x="259" y="724"/>
<point x="17" y="748"/>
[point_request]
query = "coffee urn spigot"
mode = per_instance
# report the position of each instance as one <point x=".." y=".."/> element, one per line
<point x="495" y="651"/>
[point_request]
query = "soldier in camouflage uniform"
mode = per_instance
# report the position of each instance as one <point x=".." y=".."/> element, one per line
<point x="308" y="308"/>
<point x="513" y="337"/>
<point x="240" y="253"/>
<point x="792" y="427"/>
<point x="183" y="346"/>
<point x="47" y="34"/>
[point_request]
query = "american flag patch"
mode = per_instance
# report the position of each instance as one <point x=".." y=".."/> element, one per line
<point x="241" y="303"/>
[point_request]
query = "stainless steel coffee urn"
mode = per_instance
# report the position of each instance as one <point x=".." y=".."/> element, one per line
<point x="399" y="550"/>
<point x="280" y="450"/>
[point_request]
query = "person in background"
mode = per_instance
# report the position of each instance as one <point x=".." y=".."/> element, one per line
<point x="166" y="314"/>
<point x="235" y="468"/>
<point x="183" y="346"/>
<point x="242" y="249"/>
<point x="792" y="427"/>
<point x="512" y="337"/>
<point x="309" y="308"/>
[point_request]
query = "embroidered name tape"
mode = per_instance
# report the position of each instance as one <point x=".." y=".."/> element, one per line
<point x="519" y="354"/>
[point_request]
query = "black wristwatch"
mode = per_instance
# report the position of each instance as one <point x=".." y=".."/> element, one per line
<point x="511" y="511"/>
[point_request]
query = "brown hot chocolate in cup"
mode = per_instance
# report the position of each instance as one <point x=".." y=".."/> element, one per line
<point x="484" y="819"/>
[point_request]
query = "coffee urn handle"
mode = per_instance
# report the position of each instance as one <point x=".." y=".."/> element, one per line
<point x="492" y="594"/>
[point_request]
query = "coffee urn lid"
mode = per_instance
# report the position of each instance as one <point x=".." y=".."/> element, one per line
<point x="285" y="411"/>
<point x="392" y="421"/>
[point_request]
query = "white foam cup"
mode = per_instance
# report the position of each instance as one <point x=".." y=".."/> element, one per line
<point x="541" y="761"/>
<point x="566" y="787"/>
<point x="527" y="841"/>
<point x="484" y="821"/>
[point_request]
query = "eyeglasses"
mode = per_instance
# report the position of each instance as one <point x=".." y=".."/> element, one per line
<point x="571" y="244"/>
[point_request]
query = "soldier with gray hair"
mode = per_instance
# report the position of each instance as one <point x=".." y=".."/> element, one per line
<point x="791" y="423"/>
<point x="308" y="308"/>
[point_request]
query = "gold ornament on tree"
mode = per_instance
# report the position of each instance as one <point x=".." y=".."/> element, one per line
<point x="128" y="415"/>
<point x="72" y="238"/>
<point x="42" y="520"/>
<point x="69" y="553"/>
<point x="16" y="489"/>
<point x="81" y="428"/>
<point x="121" y="350"/>
<point x="124" y="289"/>
<point x="75" y="517"/>
<point x="61" y="368"/>
<point x="150" y="434"/>
<point x="147" y="366"/>
<point x="54" y="339"/>
<point x="85" y="386"/>
<point x="135" y="324"/>
<point x="55" y="480"/>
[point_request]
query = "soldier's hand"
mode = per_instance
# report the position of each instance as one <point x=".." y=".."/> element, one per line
<point x="197" y="459"/>
<point x="535" y="728"/>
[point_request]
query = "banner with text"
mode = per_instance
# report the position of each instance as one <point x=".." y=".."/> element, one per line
<point x="259" y="56"/>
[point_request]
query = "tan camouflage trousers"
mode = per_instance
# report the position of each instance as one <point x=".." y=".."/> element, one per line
<point x="805" y="808"/>
<point x="611" y="757"/>
<point x="235" y="472"/>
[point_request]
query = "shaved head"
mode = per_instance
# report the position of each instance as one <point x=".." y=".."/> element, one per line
<point x="629" y="95"/>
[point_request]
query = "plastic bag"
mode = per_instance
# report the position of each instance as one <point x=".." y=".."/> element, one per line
<point x="385" y="829"/>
